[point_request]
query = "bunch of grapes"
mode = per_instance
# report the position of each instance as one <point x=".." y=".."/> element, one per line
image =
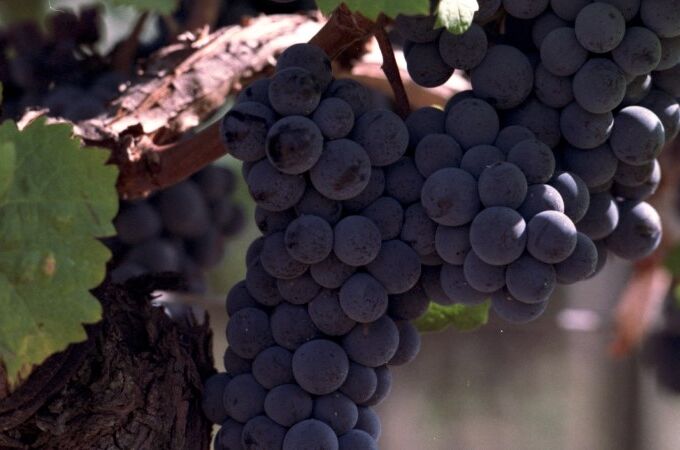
<point x="180" y="229"/>
<point x="59" y="70"/>
<point x="334" y="280"/>
<point x="571" y="104"/>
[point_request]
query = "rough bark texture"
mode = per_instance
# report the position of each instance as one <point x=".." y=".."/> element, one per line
<point x="134" y="384"/>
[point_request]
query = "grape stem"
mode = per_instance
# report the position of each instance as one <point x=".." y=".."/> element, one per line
<point x="391" y="69"/>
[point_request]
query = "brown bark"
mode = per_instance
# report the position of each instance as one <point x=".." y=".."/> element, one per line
<point x="134" y="384"/>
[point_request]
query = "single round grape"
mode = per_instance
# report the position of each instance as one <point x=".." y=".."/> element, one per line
<point x="602" y="256"/>
<point x="372" y="344"/>
<point x="273" y="190"/>
<point x="502" y="184"/>
<point x="481" y="276"/>
<point x="291" y="326"/>
<point x="457" y="288"/>
<point x="418" y="230"/>
<point x="336" y="410"/>
<point x="273" y="367"/>
<point x="211" y="401"/>
<point x="244" y="130"/>
<point x="310" y="434"/>
<point x="584" y="129"/>
<point x="463" y="51"/>
<point x="334" y="117"/>
<point x="512" y="310"/>
<point x="637" y="89"/>
<point x="357" y="240"/>
<point x="639" y="53"/>
<point x="543" y="25"/>
<point x="670" y="53"/>
<point x="535" y="159"/>
<point x="239" y="298"/>
<point x="574" y="193"/>
<point x="668" y="80"/>
<point x="580" y="264"/>
<point x="234" y="364"/>
<point x="248" y="333"/>
<point x="352" y="92"/>
<point x="512" y="135"/>
<point x="498" y="235"/>
<point x="315" y="204"/>
<point x="453" y="243"/>
<point x="426" y="66"/>
<point x="373" y="190"/>
<point x="541" y="197"/>
<point x="331" y="272"/>
<point x="309" y="57"/>
<point x="261" y="285"/>
<point x="472" y="122"/>
<point x="343" y="170"/>
<point x="600" y="27"/>
<point x="383" y="135"/>
<point x="294" y="145"/>
<point x="369" y="422"/>
<point x="479" y="157"/>
<point x="666" y="109"/>
<point x="633" y="176"/>
<point x="599" y="86"/>
<point x="504" y="78"/>
<point x="601" y="218"/>
<point x="397" y="267"/>
<point x="595" y="166"/>
<point x="384" y="375"/>
<point x="309" y="239"/>
<point x="257" y="91"/>
<point x="288" y="404"/>
<point x="244" y="398"/>
<point x="431" y="281"/>
<point x="561" y="53"/>
<point x="387" y="214"/>
<point x="294" y="91"/>
<point x="357" y="440"/>
<point x="542" y="120"/>
<point x="361" y="383"/>
<point x="327" y="314"/>
<point x="450" y="197"/>
<point x="260" y="432"/>
<point x="553" y="90"/>
<point x="184" y="210"/>
<point x="276" y="259"/>
<point x="300" y="290"/>
<point x="363" y="298"/>
<point x="645" y="190"/>
<point x="229" y="435"/>
<point x="423" y="122"/>
<point x="551" y="237"/>
<point x="568" y="9"/>
<point x="320" y="366"/>
<point x="269" y="222"/>
<point x="638" y="135"/>
<point x="417" y="28"/>
<point x="529" y="280"/>
<point x="403" y="182"/>
<point x="661" y="16"/>
<point x="409" y="344"/>
<point x="410" y="305"/>
<point x="638" y="232"/>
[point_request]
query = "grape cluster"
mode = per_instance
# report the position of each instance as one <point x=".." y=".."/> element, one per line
<point x="59" y="69"/>
<point x="180" y="229"/>
<point x="334" y="280"/>
<point x="553" y="152"/>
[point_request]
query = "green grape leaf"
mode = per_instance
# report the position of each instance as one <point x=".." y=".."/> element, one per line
<point x="463" y="318"/>
<point x="159" y="6"/>
<point x="372" y="9"/>
<point x="456" y="15"/>
<point x="672" y="261"/>
<point x="7" y="166"/>
<point x="61" y="197"/>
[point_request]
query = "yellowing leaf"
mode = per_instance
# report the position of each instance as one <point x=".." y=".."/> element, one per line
<point x="60" y="198"/>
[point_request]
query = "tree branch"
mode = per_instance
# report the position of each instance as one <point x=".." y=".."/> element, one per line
<point x="390" y="68"/>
